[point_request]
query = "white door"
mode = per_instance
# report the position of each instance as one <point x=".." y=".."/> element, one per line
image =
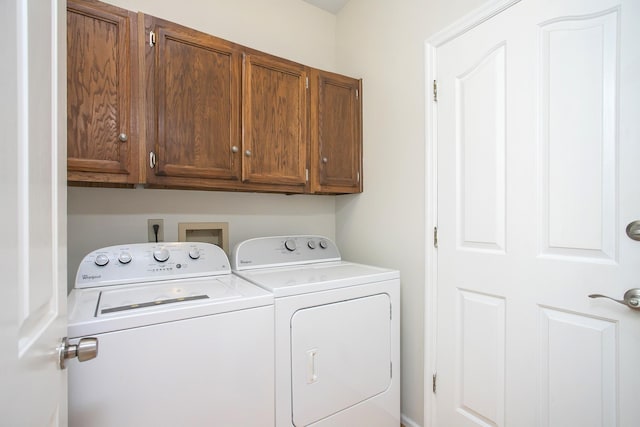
<point x="33" y="212"/>
<point x="538" y="141"/>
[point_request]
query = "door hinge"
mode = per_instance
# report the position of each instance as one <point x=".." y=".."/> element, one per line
<point x="435" y="376"/>
<point x="152" y="159"/>
<point x="152" y="38"/>
<point x="435" y="91"/>
<point x="306" y="82"/>
<point x="435" y="237"/>
<point x="306" y="174"/>
<point x="358" y="177"/>
<point x="357" y="94"/>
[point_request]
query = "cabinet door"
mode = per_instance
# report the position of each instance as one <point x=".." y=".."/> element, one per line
<point x="275" y="106"/>
<point x="336" y="134"/>
<point x="193" y="110"/>
<point x="102" y="74"/>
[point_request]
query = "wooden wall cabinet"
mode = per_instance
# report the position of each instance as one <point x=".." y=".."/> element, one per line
<point x="214" y="115"/>
<point x="102" y="102"/>
<point x="192" y="108"/>
<point x="336" y="133"/>
<point x="275" y="122"/>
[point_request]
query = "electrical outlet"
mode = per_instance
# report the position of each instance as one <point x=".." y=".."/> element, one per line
<point x="151" y="232"/>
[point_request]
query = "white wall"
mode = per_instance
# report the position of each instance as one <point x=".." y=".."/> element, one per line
<point x="383" y="42"/>
<point x="291" y="29"/>
<point x="100" y="217"/>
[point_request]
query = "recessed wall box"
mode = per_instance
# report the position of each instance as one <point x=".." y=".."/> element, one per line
<point x="208" y="232"/>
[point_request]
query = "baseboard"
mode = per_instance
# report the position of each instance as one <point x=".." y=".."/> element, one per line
<point x="408" y="422"/>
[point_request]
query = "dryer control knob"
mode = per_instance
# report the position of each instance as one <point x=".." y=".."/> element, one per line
<point x="194" y="253"/>
<point x="124" y="258"/>
<point x="102" y="260"/>
<point x="311" y="244"/>
<point x="290" y="244"/>
<point x="161" y="255"/>
<point x="324" y="244"/>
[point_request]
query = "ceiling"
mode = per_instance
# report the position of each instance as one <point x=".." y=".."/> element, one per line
<point x="332" y="6"/>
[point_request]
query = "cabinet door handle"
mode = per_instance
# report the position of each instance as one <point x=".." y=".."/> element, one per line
<point x="123" y="137"/>
<point x="247" y="153"/>
<point x="234" y="149"/>
<point x="325" y="160"/>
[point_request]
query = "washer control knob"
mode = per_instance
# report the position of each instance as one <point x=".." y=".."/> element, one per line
<point x="311" y="244"/>
<point x="290" y="244"/>
<point x="124" y="258"/>
<point x="102" y="260"/>
<point x="161" y="255"/>
<point x="324" y="244"/>
<point x="194" y="253"/>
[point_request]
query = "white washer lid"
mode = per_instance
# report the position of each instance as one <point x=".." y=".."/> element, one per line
<point x="110" y="308"/>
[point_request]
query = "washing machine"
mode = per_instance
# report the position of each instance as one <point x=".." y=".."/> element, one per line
<point x="181" y="340"/>
<point x="337" y="333"/>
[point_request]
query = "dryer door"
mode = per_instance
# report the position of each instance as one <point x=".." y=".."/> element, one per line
<point x="341" y="355"/>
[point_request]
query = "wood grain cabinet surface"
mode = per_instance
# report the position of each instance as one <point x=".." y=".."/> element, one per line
<point x="336" y="133"/>
<point x="192" y="107"/>
<point x="214" y="114"/>
<point x="102" y="79"/>
<point x="275" y="122"/>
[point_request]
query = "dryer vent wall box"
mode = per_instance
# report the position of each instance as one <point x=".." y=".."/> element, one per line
<point x="216" y="233"/>
<point x="337" y="331"/>
<point x="179" y="339"/>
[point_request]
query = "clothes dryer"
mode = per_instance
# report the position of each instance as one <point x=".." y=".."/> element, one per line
<point x="337" y="332"/>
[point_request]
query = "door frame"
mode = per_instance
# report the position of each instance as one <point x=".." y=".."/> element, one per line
<point x="474" y="18"/>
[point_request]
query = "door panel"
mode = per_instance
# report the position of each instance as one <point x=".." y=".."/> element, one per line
<point x="102" y="85"/>
<point x="33" y="213"/>
<point x="579" y="209"/>
<point x="480" y="140"/>
<point x="336" y="133"/>
<point x="275" y="105"/>
<point x="194" y="124"/>
<point x="563" y="334"/>
<point x="480" y="356"/>
<point x="536" y="141"/>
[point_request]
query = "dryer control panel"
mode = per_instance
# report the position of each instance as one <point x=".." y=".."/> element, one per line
<point x="145" y="262"/>
<point x="277" y="251"/>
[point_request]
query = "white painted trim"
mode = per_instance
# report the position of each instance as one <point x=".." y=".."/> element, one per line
<point x="431" y="221"/>
<point x="408" y="422"/>
<point x="459" y="27"/>
<point x="471" y="20"/>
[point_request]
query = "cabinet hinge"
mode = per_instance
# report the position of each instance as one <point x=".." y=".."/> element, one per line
<point x="435" y="237"/>
<point x="152" y="159"/>
<point x="152" y="38"/>
<point x="306" y="82"/>
<point x="435" y="376"/>
<point x="306" y="174"/>
<point x="435" y="91"/>
<point x="357" y="94"/>
<point x="358" y="177"/>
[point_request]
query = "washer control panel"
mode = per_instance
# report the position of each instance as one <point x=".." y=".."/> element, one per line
<point x="283" y="250"/>
<point x="144" y="262"/>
